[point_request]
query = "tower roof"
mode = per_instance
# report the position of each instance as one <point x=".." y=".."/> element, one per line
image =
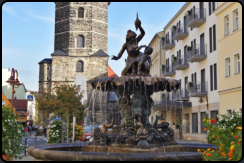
<point x="46" y="60"/>
<point x="111" y="72"/>
<point x="100" y="53"/>
<point x="59" y="52"/>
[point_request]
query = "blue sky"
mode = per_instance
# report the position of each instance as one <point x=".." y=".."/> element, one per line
<point x="28" y="32"/>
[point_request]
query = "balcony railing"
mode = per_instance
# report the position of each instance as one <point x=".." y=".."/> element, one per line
<point x="197" y="53"/>
<point x="180" y="63"/>
<point x="197" y="18"/>
<point x="180" y="33"/>
<point x="198" y="89"/>
<point x="168" y="44"/>
<point x="168" y="71"/>
<point x="181" y="95"/>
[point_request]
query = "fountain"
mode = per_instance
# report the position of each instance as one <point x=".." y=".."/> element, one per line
<point x="134" y="138"/>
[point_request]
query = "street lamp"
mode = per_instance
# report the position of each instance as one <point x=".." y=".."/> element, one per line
<point x="201" y="100"/>
<point x="13" y="82"/>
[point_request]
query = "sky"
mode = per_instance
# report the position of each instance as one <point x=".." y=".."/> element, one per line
<point x="28" y="32"/>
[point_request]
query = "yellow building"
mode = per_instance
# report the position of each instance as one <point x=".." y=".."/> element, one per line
<point x="229" y="43"/>
<point x="5" y="102"/>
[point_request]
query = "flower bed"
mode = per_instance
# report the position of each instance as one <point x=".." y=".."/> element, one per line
<point x="227" y="139"/>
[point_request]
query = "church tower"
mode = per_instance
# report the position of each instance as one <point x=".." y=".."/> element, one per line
<point x="80" y="44"/>
<point x="81" y="31"/>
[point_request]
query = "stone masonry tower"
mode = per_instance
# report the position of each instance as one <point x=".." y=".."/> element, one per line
<point x="80" y="46"/>
<point x="81" y="30"/>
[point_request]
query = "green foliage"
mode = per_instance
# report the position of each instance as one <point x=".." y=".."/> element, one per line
<point x="227" y="139"/>
<point x="230" y="121"/>
<point x="54" y="133"/>
<point x="11" y="134"/>
<point x="63" y="98"/>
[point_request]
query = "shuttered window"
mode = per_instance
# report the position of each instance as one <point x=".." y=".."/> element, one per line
<point x="215" y="76"/>
<point x="194" y="123"/>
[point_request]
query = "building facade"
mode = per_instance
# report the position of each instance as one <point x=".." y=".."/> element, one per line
<point x="80" y="45"/>
<point x="192" y="57"/>
<point x="229" y="43"/>
<point x="158" y="59"/>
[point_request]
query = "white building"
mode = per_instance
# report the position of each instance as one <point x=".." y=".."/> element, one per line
<point x="190" y="36"/>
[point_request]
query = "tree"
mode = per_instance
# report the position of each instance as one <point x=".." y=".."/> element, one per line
<point x="62" y="99"/>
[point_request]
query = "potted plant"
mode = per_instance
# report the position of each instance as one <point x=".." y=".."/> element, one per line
<point x="188" y="13"/>
<point x="173" y="58"/>
<point x="11" y="135"/>
<point x="189" y="48"/>
<point x="173" y="28"/>
<point x="189" y="85"/>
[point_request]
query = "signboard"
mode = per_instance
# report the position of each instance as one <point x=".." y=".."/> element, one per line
<point x="30" y="98"/>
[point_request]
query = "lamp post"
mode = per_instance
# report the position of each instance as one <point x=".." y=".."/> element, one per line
<point x="13" y="82"/>
<point x="203" y="101"/>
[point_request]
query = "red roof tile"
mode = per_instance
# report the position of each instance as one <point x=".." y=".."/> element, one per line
<point x="111" y="72"/>
<point x="20" y="105"/>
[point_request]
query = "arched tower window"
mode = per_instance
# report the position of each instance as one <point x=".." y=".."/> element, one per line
<point x="80" y="41"/>
<point x="80" y="65"/>
<point x="81" y="12"/>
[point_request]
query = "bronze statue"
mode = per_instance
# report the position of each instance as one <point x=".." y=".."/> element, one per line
<point x="136" y="61"/>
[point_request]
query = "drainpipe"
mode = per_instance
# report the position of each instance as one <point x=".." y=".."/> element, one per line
<point x="160" y="74"/>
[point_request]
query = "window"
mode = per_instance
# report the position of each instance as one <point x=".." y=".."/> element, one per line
<point x="229" y="111"/>
<point x="213" y="6"/>
<point x="203" y="115"/>
<point x="240" y="110"/>
<point x="3" y="103"/>
<point x="81" y="12"/>
<point x="187" y="123"/>
<point x="47" y="78"/>
<point x="209" y="8"/>
<point x="235" y="20"/>
<point x="80" y="65"/>
<point x="80" y="41"/>
<point x="215" y="76"/>
<point x="47" y="68"/>
<point x="214" y="37"/>
<point x="226" y="25"/>
<point x="210" y="39"/>
<point x="214" y="115"/>
<point x="21" y="113"/>
<point x="211" y="78"/>
<point x="194" y="123"/>
<point x="237" y="63"/>
<point x="227" y="67"/>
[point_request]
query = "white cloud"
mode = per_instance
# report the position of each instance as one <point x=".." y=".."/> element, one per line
<point x="39" y="16"/>
<point x="9" y="10"/>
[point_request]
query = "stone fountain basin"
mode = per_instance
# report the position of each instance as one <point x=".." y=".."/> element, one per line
<point x="86" y="152"/>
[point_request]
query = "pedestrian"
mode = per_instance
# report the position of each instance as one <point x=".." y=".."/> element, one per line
<point x="26" y="131"/>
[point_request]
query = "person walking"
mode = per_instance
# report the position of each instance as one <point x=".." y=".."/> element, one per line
<point x="30" y="129"/>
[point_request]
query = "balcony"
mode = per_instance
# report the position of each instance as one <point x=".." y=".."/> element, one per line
<point x="168" y="71"/>
<point x="181" y="95"/>
<point x="198" y="89"/>
<point x="197" y="18"/>
<point x="197" y="53"/>
<point x="180" y="63"/>
<point x="168" y="44"/>
<point x="167" y="103"/>
<point x="180" y="33"/>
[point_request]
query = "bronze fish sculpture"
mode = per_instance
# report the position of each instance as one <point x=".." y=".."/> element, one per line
<point x="137" y="22"/>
